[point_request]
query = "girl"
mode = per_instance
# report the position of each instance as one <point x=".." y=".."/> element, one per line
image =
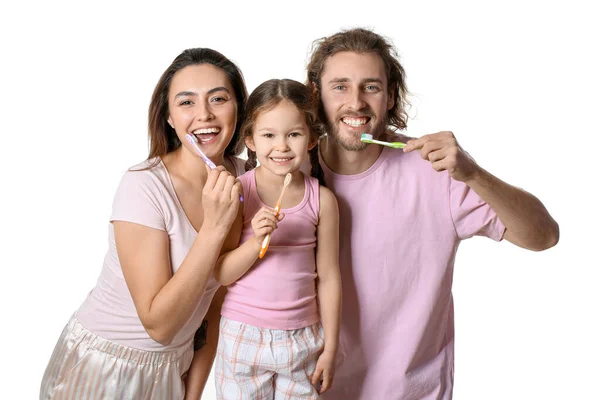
<point x="271" y="343"/>
<point x="132" y="337"/>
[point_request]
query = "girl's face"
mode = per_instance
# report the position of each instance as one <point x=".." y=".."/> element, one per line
<point x="281" y="138"/>
<point x="202" y="102"/>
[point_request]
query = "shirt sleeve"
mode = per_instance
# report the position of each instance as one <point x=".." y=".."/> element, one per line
<point x="138" y="200"/>
<point x="471" y="215"/>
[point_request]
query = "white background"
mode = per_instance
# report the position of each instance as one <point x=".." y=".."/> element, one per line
<point x="517" y="81"/>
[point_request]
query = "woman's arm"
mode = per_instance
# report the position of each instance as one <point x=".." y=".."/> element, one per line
<point x="165" y="301"/>
<point x="329" y="285"/>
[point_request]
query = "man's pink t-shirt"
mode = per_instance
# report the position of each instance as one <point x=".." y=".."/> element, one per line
<point x="400" y="225"/>
<point x="147" y="198"/>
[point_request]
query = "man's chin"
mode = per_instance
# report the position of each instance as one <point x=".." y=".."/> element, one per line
<point x="349" y="143"/>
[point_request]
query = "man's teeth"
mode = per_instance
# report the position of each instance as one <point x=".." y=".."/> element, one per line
<point x="206" y="130"/>
<point x="356" y="122"/>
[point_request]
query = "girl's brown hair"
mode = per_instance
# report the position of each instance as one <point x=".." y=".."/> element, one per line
<point x="268" y="95"/>
<point x="163" y="138"/>
<point x="363" y="41"/>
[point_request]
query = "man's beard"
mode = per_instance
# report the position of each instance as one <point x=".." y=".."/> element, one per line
<point x="348" y="143"/>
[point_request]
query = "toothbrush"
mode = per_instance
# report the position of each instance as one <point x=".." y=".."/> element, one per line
<point x="194" y="141"/>
<point x="265" y="243"/>
<point x="368" y="138"/>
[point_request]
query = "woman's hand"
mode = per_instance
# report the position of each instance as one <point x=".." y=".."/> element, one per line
<point x="220" y="199"/>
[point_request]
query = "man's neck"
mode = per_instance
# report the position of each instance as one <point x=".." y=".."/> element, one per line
<point x="346" y="162"/>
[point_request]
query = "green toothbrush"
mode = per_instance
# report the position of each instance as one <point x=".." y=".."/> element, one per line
<point x="368" y="138"/>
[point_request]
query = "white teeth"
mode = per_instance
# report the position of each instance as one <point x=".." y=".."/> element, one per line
<point x="206" y="131"/>
<point x="280" y="159"/>
<point x="355" y="122"/>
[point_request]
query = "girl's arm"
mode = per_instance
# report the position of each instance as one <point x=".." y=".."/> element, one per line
<point x="165" y="301"/>
<point x="329" y="285"/>
<point x="205" y="356"/>
<point x="232" y="265"/>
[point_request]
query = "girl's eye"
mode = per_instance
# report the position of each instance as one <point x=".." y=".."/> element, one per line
<point x="268" y="135"/>
<point x="185" y="103"/>
<point x="218" y="99"/>
<point x="338" y="87"/>
<point x="294" y="134"/>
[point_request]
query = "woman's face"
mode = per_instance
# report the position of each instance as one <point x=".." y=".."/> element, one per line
<point x="202" y="103"/>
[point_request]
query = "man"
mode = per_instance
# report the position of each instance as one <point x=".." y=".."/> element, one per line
<point x="403" y="214"/>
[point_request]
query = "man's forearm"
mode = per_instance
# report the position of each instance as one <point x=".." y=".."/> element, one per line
<point x="528" y="223"/>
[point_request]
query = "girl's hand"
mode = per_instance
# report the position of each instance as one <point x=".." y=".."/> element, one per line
<point x="265" y="222"/>
<point x="324" y="372"/>
<point x="220" y="199"/>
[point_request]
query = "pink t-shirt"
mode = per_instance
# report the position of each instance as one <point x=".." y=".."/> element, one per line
<point x="146" y="198"/>
<point x="278" y="292"/>
<point x="400" y="225"/>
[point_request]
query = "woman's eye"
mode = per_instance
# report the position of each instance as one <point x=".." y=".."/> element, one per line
<point x="185" y="103"/>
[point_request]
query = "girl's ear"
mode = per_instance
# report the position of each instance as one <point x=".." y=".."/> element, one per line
<point x="249" y="143"/>
<point x="170" y="121"/>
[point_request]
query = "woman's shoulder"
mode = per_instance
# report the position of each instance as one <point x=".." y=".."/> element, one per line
<point x="239" y="165"/>
<point x="150" y="174"/>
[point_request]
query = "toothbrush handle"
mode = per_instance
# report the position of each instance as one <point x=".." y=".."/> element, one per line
<point x="264" y="246"/>
<point x="207" y="160"/>
<point x="265" y="243"/>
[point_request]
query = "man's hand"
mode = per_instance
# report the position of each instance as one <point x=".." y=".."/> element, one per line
<point x="444" y="153"/>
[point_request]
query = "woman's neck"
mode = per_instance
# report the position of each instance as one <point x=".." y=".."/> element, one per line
<point x="191" y="167"/>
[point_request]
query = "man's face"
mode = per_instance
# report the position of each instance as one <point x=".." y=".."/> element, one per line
<point x="354" y="92"/>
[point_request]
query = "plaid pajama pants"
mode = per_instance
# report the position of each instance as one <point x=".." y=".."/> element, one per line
<point x="259" y="364"/>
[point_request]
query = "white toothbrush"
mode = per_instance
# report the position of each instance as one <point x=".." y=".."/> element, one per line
<point x="194" y="141"/>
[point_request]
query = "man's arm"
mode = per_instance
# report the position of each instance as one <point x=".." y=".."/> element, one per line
<point x="528" y="223"/>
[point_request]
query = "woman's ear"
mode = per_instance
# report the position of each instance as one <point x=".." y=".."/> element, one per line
<point x="170" y="122"/>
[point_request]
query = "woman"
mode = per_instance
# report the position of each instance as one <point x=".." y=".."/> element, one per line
<point x="132" y="337"/>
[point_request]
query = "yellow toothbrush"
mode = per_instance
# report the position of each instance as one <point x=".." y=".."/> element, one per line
<point x="265" y="243"/>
